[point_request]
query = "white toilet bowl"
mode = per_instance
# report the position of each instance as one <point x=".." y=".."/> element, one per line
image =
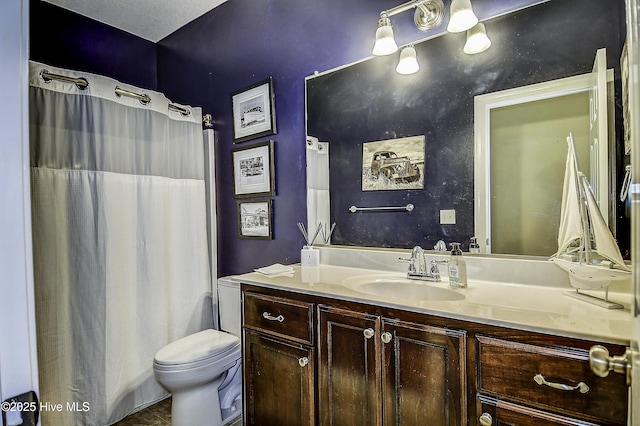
<point x="192" y="370"/>
<point x="203" y="371"/>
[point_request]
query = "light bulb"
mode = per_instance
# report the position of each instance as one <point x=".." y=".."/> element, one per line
<point x="477" y="40"/>
<point x="461" y="17"/>
<point x="408" y="63"/>
<point x="385" y="43"/>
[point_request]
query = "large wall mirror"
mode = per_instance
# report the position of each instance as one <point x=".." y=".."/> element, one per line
<point x="353" y="107"/>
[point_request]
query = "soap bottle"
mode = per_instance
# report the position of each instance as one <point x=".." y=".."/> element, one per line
<point x="457" y="267"/>
<point x="474" y="247"/>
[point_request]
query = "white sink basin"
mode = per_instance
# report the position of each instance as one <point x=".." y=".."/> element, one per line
<point x="398" y="287"/>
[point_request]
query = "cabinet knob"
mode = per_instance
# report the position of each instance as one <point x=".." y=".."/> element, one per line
<point x="368" y="333"/>
<point x="386" y="337"/>
<point x="602" y="363"/>
<point x="485" y="419"/>
<point x="303" y="361"/>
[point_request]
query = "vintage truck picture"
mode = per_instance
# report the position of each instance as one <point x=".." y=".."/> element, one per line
<point x="393" y="164"/>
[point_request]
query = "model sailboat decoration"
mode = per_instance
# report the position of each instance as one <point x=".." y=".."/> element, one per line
<point x="586" y="247"/>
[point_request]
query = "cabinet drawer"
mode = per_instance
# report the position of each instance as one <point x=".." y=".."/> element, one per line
<point x="529" y="374"/>
<point x="497" y="412"/>
<point x="280" y="316"/>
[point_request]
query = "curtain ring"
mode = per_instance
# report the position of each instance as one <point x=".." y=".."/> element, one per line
<point x="626" y="183"/>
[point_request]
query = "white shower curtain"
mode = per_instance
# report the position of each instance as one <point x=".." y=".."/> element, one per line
<point x="318" y="203"/>
<point x="120" y="242"/>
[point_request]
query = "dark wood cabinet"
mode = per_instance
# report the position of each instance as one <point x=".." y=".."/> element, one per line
<point x="279" y="361"/>
<point x="317" y="360"/>
<point x="279" y="381"/>
<point x="425" y="381"/>
<point x="502" y="413"/>
<point x="380" y="371"/>
<point x="349" y="369"/>
<point x="553" y="384"/>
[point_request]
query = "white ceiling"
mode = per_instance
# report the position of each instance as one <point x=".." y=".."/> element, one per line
<point x="152" y="20"/>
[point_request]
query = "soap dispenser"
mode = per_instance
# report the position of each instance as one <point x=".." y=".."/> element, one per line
<point x="457" y="267"/>
<point x="474" y="247"/>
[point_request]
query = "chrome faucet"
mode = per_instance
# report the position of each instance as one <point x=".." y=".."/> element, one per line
<point x="420" y="272"/>
<point x="416" y="254"/>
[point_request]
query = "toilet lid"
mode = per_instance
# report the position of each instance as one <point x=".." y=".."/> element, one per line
<point x="198" y="347"/>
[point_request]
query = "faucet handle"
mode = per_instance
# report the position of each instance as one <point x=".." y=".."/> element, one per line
<point x="411" y="261"/>
<point x="434" y="266"/>
<point x="440" y="246"/>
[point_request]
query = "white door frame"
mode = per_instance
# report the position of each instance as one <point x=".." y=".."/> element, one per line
<point x="18" y="354"/>
<point x="483" y="104"/>
<point x="633" y="44"/>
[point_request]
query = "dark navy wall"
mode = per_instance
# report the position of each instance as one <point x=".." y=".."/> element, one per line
<point x="244" y="41"/>
<point x="65" y="39"/>
<point x="231" y="47"/>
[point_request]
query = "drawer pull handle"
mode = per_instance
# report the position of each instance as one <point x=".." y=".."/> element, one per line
<point x="303" y="361"/>
<point x="582" y="386"/>
<point x="268" y="316"/>
<point x="368" y="333"/>
<point x="486" y="419"/>
<point x="386" y="337"/>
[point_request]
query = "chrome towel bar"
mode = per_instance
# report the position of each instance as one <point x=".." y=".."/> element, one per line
<point x="408" y="207"/>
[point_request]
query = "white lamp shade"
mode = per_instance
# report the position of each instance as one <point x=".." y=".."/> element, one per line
<point x="408" y="63"/>
<point x="477" y="40"/>
<point x="461" y="17"/>
<point x="385" y="43"/>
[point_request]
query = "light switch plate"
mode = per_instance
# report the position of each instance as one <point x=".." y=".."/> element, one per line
<point x="447" y="217"/>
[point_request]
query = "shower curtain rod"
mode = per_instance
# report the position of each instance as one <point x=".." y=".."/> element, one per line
<point x="82" y="83"/>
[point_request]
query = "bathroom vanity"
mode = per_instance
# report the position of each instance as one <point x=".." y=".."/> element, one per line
<point x="324" y="346"/>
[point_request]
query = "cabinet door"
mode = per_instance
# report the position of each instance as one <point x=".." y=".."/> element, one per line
<point x="278" y="382"/>
<point x="349" y="368"/>
<point x="424" y="375"/>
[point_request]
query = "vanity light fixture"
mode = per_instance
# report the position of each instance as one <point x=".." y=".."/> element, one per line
<point x="429" y="14"/>
<point x="462" y="17"/>
<point x="408" y="63"/>
<point x="477" y="40"/>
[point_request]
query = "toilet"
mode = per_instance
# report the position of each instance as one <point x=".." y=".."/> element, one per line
<point x="203" y="371"/>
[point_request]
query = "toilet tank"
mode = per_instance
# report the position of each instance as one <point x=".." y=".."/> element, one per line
<point x="229" y="306"/>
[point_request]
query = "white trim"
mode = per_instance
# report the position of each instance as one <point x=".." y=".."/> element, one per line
<point x="483" y="104"/>
<point x="633" y="47"/>
<point x="18" y="354"/>
<point x="210" y="183"/>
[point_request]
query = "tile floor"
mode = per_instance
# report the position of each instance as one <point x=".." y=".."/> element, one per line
<point x="156" y="415"/>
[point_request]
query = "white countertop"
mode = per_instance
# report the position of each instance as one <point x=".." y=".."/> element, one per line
<point x="538" y="308"/>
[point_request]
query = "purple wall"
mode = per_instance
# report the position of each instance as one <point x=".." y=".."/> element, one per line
<point x="65" y="39"/>
<point x="244" y="41"/>
<point x="233" y="46"/>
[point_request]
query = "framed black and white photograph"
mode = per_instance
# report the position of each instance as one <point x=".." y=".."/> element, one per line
<point x="254" y="219"/>
<point x="254" y="112"/>
<point x="253" y="170"/>
<point x="393" y="164"/>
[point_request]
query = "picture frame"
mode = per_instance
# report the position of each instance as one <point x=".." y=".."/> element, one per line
<point x="253" y="170"/>
<point x="255" y="219"/>
<point x="393" y="164"/>
<point x="253" y="111"/>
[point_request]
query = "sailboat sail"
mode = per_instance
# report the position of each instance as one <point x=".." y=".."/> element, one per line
<point x="571" y="222"/>
<point x="605" y="244"/>
<point x="586" y="248"/>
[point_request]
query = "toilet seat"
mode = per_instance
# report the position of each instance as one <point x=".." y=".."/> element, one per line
<point x="204" y="347"/>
